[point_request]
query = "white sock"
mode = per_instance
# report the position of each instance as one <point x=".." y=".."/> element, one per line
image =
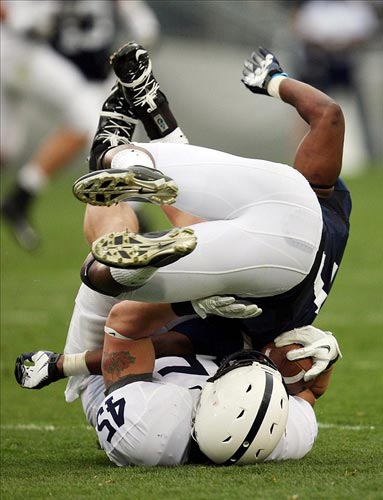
<point x="132" y="277"/>
<point x="175" y="137"/>
<point x="32" y="178"/>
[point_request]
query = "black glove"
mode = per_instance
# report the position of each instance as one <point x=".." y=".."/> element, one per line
<point x="259" y="70"/>
<point x="42" y="373"/>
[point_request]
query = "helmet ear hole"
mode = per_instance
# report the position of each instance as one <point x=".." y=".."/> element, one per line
<point x="249" y="388"/>
<point x="241" y="414"/>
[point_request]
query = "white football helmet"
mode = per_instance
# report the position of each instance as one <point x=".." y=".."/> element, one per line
<point x="242" y="412"/>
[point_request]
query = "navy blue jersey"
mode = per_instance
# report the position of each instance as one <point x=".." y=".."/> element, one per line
<point x="293" y="309"/>
<point x="213" y="336"/>
<point x="301" y="305"/>
<point x="85" y="33"/>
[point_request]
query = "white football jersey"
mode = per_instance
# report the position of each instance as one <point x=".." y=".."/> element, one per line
<point x="149" y="423"/>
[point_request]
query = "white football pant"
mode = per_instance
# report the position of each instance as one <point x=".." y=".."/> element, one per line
<point x="263" y="231"/>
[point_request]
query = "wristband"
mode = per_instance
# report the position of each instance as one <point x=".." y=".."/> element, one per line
<point x="273" y="86"/>
<point x="75" y="364"/>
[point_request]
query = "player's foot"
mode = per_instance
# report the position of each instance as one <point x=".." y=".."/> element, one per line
<point x="14" y="210"/>
<point x="133" y="250"/>
<point x="137" y="183"/>
<point x="117" y="120"/>
<point x="133" y="68"/>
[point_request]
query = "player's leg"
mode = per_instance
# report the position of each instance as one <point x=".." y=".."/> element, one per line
<point x="211" y="205"/>
<point x="204" y="178"/>
<point x="55" y="81"/>
<point x="133" y="68"/>
<point x="86" y="330"/>
<point x="228" y="259"/>
<point x="116" y="126"/>
<point x="276" y="219"/>
<point x="99" y="220"/>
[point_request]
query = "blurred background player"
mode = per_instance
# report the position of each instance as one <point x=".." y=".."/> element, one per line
<point x="330" y="37"/>
<point x="58" y="51"/>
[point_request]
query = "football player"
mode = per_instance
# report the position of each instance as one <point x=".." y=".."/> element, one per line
<point x="58" y="52"/>
<point x="288" y="282"/>
<point x="146" y="415"/>
<point x="321" y="346"/>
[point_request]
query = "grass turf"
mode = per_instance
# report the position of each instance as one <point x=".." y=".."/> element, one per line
<point x="48" y="451"/>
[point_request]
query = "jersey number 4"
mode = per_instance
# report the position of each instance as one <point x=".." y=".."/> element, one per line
<point x="115" y="411"/>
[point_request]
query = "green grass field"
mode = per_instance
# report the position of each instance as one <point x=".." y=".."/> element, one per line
<point x="47" y="451"/>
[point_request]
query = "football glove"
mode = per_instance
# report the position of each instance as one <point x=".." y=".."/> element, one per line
<point x="42" y="373"/>
<point x="321" y="346"/>
<point x="228" y="307"/>
<point x="259" y="70"/>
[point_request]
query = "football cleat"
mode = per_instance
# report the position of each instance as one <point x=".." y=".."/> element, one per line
<point x="133" y="68"/>
<point x="133" y="250"/>
<point x="15" y="213"/>
<point x="136" y="183"/>
<point x="116" y="125"/>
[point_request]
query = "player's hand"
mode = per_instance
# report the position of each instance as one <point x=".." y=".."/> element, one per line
<point x="41" y="373"/>
<point x="317" y="344"/>
<point x="228" y="307"/>
<point x="259" y="70"/>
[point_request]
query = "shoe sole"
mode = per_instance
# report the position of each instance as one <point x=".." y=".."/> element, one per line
<point x="132" y="250"/>
<point x="108" y="187"/>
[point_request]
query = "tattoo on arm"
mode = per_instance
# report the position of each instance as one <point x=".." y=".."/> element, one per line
<point x="114" y="363"/>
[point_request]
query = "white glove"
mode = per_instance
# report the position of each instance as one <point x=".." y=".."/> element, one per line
<point x="259" y="71"/>
<point x="319" y="345"/>
<point x="42" y="373"/>
<point x="228" y="307"/>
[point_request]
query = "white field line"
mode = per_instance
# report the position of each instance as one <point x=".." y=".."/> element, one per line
<point x="323" y="425"/>
<point x="35" y="427"/>
<point x="42" y="427"/>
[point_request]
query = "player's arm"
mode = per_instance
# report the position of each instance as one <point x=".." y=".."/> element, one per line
<point x="317" y="388"/>
<point x="37" y="369"/>
<point x="319" y="156"/>
<point x="317" y="344"/>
